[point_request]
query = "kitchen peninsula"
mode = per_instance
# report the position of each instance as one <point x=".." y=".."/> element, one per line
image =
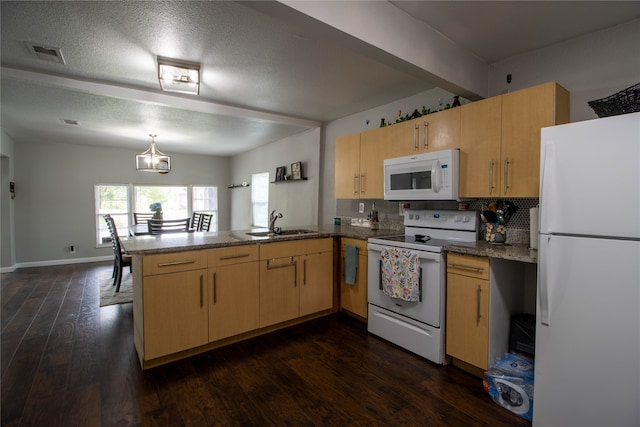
<point x="193" y="292"/>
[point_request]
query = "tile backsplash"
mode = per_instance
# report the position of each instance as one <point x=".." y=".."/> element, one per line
<point x="390" y="218"/>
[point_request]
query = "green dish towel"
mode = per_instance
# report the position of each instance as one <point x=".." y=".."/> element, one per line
<point x="351" y="264"/>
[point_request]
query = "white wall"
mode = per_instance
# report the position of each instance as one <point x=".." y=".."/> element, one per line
<point x="297" y="201"/>
<point x="590" y="67"/>
<point x="55" y="193"/>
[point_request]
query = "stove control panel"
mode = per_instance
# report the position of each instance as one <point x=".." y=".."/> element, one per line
<point x="465" y="220"/>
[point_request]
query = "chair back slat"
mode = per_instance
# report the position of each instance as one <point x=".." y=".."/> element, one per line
<point x="142" y="217"/>
<point x="195" y="221"/>
<point x="161" y="226"/>
<point x="205" y="222"/>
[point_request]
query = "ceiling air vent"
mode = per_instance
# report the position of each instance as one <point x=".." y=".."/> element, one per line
<point x="51" y="54"/>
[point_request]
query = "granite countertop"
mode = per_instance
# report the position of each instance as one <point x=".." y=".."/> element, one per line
<point x="175" y="242"/>
<point x="514" y="252"/>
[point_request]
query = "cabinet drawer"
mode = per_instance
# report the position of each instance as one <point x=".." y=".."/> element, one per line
<point x="294" y="248"/>
<point x="232" y="255"/>
<point x="173" y="262"/>
<point x="468" y="265"/>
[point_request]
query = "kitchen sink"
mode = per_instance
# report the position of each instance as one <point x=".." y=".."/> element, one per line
<point x="294" y="232"/>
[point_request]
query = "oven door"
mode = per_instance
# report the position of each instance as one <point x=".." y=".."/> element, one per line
<point x="431" y="305"/>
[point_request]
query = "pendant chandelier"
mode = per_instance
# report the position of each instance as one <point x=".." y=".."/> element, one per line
<point x="153" y="160"/>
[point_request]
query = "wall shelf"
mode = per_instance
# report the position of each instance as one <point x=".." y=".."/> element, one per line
<point x="289" y="180"/>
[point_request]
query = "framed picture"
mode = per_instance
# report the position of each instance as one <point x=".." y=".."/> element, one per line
<point x="296" y="170"/>
<point x="280" y="173"/>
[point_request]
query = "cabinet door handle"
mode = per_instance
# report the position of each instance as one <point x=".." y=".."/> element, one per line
<point x="468" y="267"/>
<point x="361" y="183"/>
<point x="201" y="291"/>
<point x="355" y="184"/>
<point x="214" y="288"/>
<point x="490" y="176"/>
<point x="426" y="135"/>
<point x="506" y="175"/>
<point x="169" y="264"/>
<point x="304" y="272"/>
<point x="415" y="137"/>
<point x="479" y="295"/>
<point x="222" y="258"/>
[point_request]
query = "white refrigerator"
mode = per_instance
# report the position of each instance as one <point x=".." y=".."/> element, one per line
<point x="587" y="352"/>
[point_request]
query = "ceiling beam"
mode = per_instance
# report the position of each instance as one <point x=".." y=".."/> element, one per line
<point x="125" y="92"/>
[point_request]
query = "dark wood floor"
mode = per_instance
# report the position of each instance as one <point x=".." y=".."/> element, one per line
<point x="67" y="362"/>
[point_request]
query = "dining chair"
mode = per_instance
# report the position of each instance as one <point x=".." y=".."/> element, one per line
<point x="121" y="260"/>
<point x="142" y="217"/>
<point x="195" y="221"/>
<point x="205" y="222"/>
<point x="161" y="226"/>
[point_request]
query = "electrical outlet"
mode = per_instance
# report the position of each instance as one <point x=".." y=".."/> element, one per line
<point x="401" y="209"/>
<point x="361" y="208"/>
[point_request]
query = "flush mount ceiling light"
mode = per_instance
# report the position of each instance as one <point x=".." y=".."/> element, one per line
<point x="153" y="160"/>
<point x="179" y="76"/>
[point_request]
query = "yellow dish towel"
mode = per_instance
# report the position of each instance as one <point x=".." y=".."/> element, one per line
<point x="400" y="273"/>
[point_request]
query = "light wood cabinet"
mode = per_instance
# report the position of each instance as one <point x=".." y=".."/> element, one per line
<point x="316" y="279"/>
<point x="359" y="158"/>
<point x="468" y="309"/>
<point x="500" y="140"/>
<point x="354" y="297"/>
<point x="482" y="296"/>
<point x="175" y="303"/>
<point x="234" y="303"/>
<point x="347" y="167"/>
<point x="296" y="279"/>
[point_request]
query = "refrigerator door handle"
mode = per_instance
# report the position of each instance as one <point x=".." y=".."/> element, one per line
<point x="548" y="163"/>
<point x="543" y="286"/>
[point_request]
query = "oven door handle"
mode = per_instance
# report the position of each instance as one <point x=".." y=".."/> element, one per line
<point x="429" y="256"/>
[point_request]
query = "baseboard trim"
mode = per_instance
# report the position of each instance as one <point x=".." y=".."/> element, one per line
<point x="55" y="262"/>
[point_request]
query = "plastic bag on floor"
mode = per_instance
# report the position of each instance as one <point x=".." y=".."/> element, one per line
<point x="509" y="382"/>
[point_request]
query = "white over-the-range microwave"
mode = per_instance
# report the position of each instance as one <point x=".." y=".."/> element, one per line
<point x="425" y="176"/>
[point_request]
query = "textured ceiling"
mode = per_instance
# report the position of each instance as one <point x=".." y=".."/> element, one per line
<point x="265" y="77"/>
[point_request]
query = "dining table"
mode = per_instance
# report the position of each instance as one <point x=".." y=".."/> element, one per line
<point x="139" y="229"/>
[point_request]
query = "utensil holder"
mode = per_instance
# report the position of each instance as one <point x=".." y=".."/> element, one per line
<point x="496" y="233"/>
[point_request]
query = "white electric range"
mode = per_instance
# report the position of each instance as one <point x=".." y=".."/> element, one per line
<point x="418" y="326"/>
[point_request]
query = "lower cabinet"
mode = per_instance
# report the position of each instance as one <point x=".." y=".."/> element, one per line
<point x="353" y="297"/>
<point x="482" y="295"/>
<point x="296" y="279"/>
<point x="468" y="309"/>
<point x="175" y="304"/>
<point x="188" y="302"/>
<point x="234" y="303"/>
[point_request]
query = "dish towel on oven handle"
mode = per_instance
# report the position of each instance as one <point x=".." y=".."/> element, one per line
<point x="400" y="273"/>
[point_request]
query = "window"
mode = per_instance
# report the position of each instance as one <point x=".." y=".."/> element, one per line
<point x="174" y="200"/>
<point x="205" y="199"/>
<point x="177" y="202"/>
<point x="260" y="199"/>
<point x="112" y="200"/>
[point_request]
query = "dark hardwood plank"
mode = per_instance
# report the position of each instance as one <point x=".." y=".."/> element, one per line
<point x="67" y="362"/>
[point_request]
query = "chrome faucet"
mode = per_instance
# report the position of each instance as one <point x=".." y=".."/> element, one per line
<point x="272" y="222"/>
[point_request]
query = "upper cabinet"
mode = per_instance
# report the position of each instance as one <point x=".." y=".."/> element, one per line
<point x="500" y="140"/>
<point x="359" y="157"/>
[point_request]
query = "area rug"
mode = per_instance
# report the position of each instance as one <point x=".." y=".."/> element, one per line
<point x="108" y="294"/>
